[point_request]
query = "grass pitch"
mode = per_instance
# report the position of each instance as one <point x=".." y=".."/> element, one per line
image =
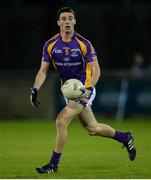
<point x="26" y="144"/>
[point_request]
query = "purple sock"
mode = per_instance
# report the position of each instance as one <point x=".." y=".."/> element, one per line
<point x="55" y="158"/>
<point x="120" y="136"/>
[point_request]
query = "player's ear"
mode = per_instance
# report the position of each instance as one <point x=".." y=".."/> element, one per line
<point x="75" y="22"/>
<point x="58" y="22"/>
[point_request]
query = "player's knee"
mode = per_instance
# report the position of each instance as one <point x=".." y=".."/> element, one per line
<point x="60" y="121"/>
<point x="92" y="130"/>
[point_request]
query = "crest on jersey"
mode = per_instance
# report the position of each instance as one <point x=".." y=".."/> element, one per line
<point x="74" y="52"/>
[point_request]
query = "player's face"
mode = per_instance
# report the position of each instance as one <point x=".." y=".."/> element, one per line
<point x="66" y="22"/>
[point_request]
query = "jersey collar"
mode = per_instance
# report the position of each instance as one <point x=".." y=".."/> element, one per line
<point x="73" y="37"/>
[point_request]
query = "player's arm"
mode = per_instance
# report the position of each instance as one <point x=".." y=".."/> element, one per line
<point x="41" y="75"/>
<point x="40" y="78"/>
<point x="92" y="59"/>
<point x="96" y="72"/>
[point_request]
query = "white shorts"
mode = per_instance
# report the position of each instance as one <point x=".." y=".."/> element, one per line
<point x="84" y="101"/>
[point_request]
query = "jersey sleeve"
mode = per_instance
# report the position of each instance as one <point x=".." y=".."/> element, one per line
<point x="91" y="54"/>
<point x="45" y="55"/>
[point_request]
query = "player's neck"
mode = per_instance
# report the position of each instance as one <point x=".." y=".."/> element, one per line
<point x="66" y="36"/>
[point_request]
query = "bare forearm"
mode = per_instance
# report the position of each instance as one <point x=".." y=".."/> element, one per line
<point x="40" y="78"/>
<point x="41" y="75"/>
<point x="96" y="73"/>
<point x="95" y="78"/>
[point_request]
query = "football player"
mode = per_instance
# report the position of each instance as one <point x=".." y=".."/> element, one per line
<point x="73" y="56"/>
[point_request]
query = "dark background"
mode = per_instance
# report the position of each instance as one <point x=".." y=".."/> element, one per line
<point x="118" y="29"/>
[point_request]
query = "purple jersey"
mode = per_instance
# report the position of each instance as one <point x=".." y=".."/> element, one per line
<point x="71" y="59"/>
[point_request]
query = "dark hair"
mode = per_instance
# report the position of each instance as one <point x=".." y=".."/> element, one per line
<point x="65" y="9"/>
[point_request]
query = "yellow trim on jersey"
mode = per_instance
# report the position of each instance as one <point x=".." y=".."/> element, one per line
<point x="49" y="49"/>
<point x="84" y="39"/>
<point x="88" y="75"/>
<point x="53" y="37"/>
<point x="85" y="100"/>
<point x="83" y="47"/>
<point x="67" y="40"/>
<point x="92" y="48"/>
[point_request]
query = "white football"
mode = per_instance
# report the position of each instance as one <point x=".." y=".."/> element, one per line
<point x="71" y="89"/>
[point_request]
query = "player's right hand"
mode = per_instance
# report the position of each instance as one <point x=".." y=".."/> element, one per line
<point x="87" y="92"/>
<point x="33" y="98"/>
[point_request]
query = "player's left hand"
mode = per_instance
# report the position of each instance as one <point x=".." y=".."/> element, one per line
<point x="33" y="98"/>
<point x="87" y="92"/>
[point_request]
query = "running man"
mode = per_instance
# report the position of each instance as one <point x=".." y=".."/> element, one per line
<point x="73" y="56"/>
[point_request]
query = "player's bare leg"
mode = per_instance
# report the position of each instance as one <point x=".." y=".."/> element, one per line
<point x="89" y="122"/>
<point x="62" y="122"/>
